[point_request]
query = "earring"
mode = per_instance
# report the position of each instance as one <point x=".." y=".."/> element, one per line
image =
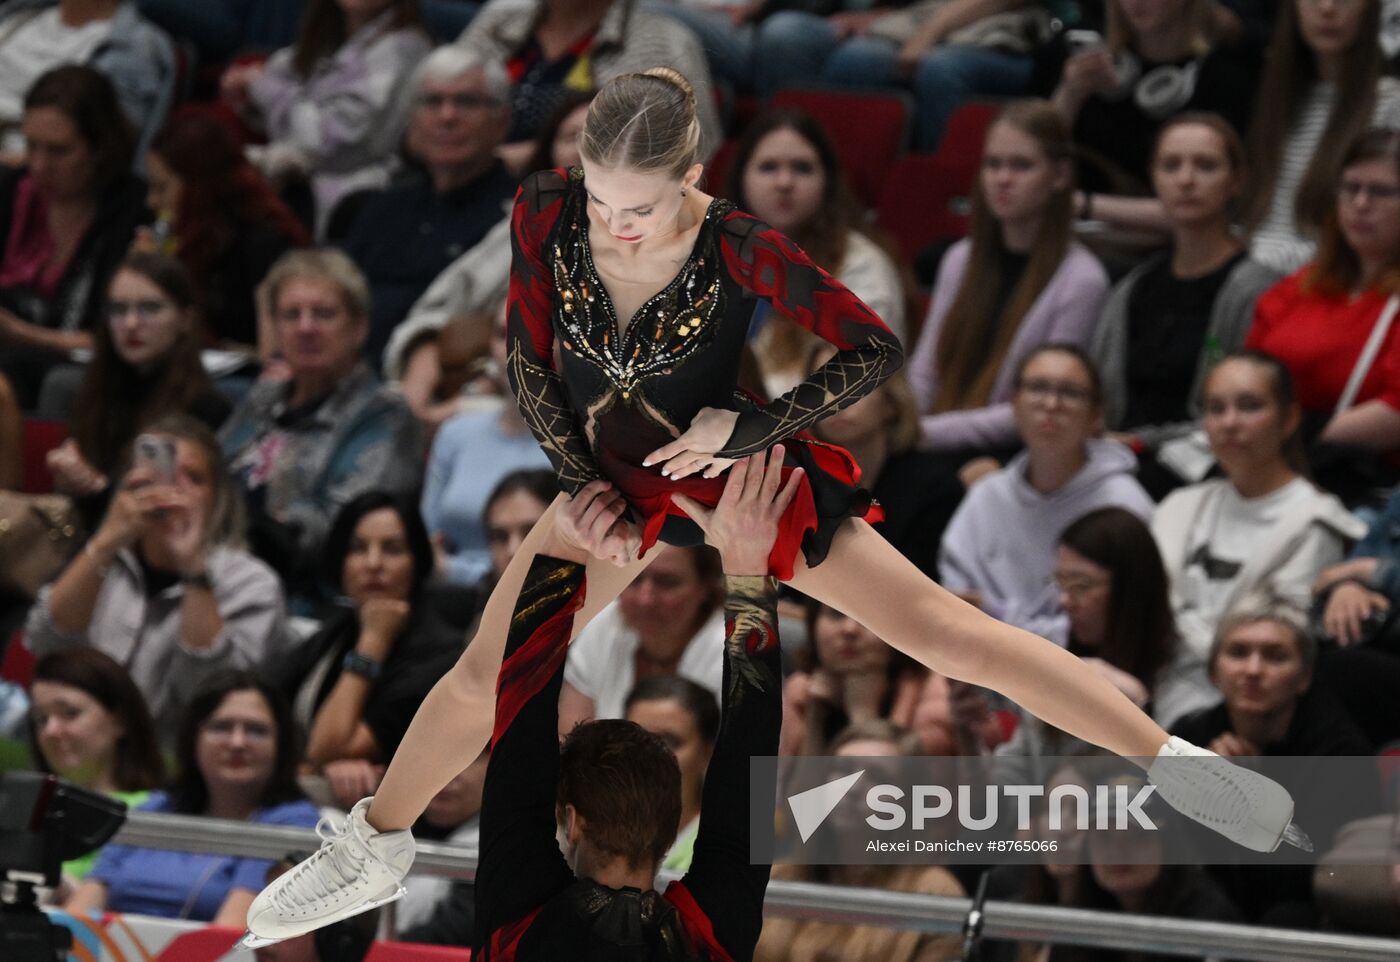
<point x="682" y="191"/>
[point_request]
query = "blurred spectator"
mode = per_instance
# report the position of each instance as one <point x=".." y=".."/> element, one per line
<point x="1166" y="322"/>
<point x="304" y="447"/>
<point x="1322" y="88"/>
<point x="947" y="53"/>
<point x="354" y="684"/>
<point x="11" y="437"/>
<point x="786" y="173"/>
<point x="1263" y="525"/>
<point x="71" y="213"/>
<point x="1115" y="594"/>
<point x="328" y="103"/>
<point x="456" y="191"/>
<point x="685" y="716"/>
<point x="1262" y="660"/>
<point x="550" y="47"/>
<point x="1358" y="594"/>
<point x="90" y="726"/>
<point x="145" y="366"/>
<point x="813" y="940"/>
<point x="472" y="454"/>
<point x="220" y="216"/>
<point x="108" y="35"/>
<point x="1320" y="321"/>
<point x="881" y="431"/>
<point x="236" y="757"/>
<point x="999" y="549"/>
<point x="1129" y="875"/>
<point x="556" y="145"/>
<point x="669" y="621"/>
<point x="1159" y="59"/>
<point x="164" y="586"/>
<point x="1019" y="280"/>
<point x="848" y="676"/>
<point x="437" y="910"/>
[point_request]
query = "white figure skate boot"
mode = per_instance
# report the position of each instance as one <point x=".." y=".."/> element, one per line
<point x="1244" y="806"/>
<point x="355" y="869"/>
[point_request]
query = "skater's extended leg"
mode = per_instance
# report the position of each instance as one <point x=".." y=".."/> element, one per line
<point x="863" y="572"/>
<point x="453" y="723"/>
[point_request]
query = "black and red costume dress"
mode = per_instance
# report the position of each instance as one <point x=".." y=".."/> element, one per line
<point x="616" y="397"/>
<point x="529" y="905"/>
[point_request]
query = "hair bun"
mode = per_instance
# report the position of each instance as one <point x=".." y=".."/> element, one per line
<point x="676" y="79"/>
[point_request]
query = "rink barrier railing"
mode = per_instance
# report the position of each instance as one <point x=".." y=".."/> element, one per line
<point x="852" y="906"/>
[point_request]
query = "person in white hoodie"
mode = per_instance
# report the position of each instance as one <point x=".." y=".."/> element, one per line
<point x="1263" y="525"/>
<point x="999" y="549"/>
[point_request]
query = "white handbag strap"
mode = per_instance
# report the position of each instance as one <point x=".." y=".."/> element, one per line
<point x="1368" y="353"/>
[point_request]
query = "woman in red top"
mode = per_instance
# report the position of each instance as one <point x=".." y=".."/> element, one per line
<point x="646" y="286"/>
<point x="1318" y="320"/>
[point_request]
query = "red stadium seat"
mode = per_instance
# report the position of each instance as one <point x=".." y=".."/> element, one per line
<point x="17" y="664"/>
<point x="926" y="199"/>
<point x="961" y="148"/>
<point x="40" y="437"/>
<point x="869" y="129"/>
<point x="718" y="168"/>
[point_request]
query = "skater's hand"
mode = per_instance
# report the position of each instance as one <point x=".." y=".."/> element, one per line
<point x="591" y="524"/>
<point x="1348" y="607"/>
<point x="694" y="450"/>
<point x="744" y="524"/>
<point x="1231" y="745"/>
<point x="352" y="779"/>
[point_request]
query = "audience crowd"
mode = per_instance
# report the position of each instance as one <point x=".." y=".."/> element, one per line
<point x="252" y="281"/>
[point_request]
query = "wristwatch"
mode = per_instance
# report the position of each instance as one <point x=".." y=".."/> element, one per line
<point x="362" y="665"/>
<point x="197" y="579"/>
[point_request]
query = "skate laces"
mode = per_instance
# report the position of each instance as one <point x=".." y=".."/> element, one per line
<point x="333" y="867"/>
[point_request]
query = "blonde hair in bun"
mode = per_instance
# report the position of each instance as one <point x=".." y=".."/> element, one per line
<point x="643" y="121"/>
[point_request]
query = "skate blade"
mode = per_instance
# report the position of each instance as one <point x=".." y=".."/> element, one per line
<point x="1296" y="837"/>
<point x="251" y="941"/>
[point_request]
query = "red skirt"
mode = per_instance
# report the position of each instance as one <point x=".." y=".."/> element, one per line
<point x="827" y="496"/>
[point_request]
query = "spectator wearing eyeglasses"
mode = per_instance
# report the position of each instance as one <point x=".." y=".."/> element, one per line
<point x="1319" y="320"/>
<point x="1263" y="526"/>
<point x="453" y="194"/>
<point x="304" y="444"/>
<point x="327" y="102"/>
<point x="236" y="752"/>
<point x="999" y="549"/>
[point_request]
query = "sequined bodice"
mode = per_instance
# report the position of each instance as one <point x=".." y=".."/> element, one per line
<point x="668" y="328"/>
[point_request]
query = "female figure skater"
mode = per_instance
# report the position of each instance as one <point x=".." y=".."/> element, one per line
<point x="647" y="285"/>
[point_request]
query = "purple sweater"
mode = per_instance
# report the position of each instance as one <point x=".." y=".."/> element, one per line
<point x="1065" y="311"/>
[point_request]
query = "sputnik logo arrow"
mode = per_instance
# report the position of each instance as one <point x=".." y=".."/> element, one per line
<point x="810" y="808"/>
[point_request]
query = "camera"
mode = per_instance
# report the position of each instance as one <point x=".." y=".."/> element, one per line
<point x="44" y="822"/>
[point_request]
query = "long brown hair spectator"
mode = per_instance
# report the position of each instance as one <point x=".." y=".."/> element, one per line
<point x="136" y="765"/>
<point x="116" y="399"/>
<point x="87" y="98"/>
<point x="825" y="235"/>
<point x="220" y="190"/>
<point x="1140" y="633"/>
<point x="973" y="343"/>
<point x="323" y="29"/>
<point x="189" y="793"/>
<point x="1290" y="72"/>
<point x="1336" y="269"/>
